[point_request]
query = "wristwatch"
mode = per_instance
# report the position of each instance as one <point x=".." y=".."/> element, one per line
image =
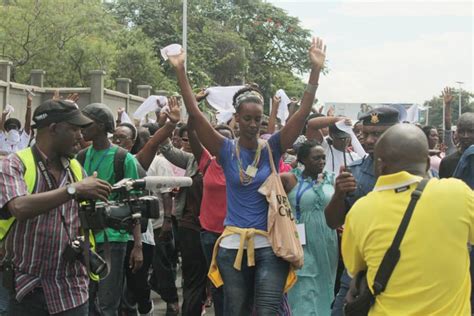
<point x="71" y="191"/>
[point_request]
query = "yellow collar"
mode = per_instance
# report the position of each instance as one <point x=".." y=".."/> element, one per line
<point x="395" y="181"/>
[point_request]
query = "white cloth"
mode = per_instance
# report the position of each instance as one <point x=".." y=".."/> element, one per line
<point x="154" y="103"/>
<point x="6" y="147"/>
<point x="356" y="145"/>
<point x="413" y="114"/>
<point x="170" y="50"/>
<point x="283" y="112"/>
<point x="125" y="118"/>
<point x="233" y="242"/>
<point x="220" y="98"/>
<point x="160" y="166"/>
<point x="335" y="158"/>
<point x="224" y="117"/>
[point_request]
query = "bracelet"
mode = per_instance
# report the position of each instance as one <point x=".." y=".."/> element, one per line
<point x="311" y="88"/>
<point x="167" y="217"/>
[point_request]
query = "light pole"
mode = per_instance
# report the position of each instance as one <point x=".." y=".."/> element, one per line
<point x="460" y="93"/>
<point x="185" y="31"/>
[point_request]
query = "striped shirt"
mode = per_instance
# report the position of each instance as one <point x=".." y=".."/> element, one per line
<point x="36" y="245"/>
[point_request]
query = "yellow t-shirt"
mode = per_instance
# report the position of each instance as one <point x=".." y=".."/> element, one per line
<point x="432" y="276"/>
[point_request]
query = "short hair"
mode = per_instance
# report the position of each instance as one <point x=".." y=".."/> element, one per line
<point x="182" y="130"/>
<point x="11" y="121"/>
<point x="132" y="128"/>
<point x="225" y="127"/>
<point x="426" y="129"/>
<point x="311" y="116"/>
<point x="152" y="127"/>
<point x="466" y="119"/>
<point x="305" y="148"/>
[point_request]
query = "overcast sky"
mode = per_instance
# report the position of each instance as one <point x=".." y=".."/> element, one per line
<point x="390" y="51"/>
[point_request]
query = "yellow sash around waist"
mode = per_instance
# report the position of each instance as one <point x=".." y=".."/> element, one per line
<point x="246" y="234"/>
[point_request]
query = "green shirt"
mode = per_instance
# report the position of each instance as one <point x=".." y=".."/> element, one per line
<point x="102" y="161"/>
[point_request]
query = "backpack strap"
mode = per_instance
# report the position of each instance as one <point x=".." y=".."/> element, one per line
<point x="119" y="163"/>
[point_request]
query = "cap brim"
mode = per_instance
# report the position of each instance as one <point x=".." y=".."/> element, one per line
<point x="79" y="120"/>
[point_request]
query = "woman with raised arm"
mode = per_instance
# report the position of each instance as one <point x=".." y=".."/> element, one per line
<point x="258" y="278"/>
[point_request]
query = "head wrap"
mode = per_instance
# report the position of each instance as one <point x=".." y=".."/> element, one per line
<point x="248" y="96"/>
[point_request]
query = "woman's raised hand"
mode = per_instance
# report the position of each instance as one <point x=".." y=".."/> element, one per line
<point x="317" y="53"/>
<point x="177" y="61"/>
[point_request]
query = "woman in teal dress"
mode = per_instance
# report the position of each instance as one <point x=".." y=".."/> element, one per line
<point x="309" y="191"/>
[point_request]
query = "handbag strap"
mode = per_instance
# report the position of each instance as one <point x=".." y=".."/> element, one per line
<point x="392" y="256"/>
<point x="270" y="157"/>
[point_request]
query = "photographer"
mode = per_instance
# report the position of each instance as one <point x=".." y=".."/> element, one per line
<point x="39" y="187"/>
<point x="103" y="157"/>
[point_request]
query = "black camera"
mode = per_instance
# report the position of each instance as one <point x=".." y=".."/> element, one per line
<point x="122" y="214"/>
<point x="75" y="251"/>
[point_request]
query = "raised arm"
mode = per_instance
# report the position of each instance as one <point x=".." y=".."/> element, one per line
<point x="273" y="114"/>
<point x="447" y="99"/>
<point x="210" y="138"/>
<point x="291" y="131"/>
<point x="27" y="127"/>
<point x="194" y="142"/>
<point x="4" y="118"/>
<point x="315" y="124"/>
<point x="146" y="155"/>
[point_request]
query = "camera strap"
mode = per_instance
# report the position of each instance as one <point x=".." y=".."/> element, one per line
<point x="50" y="181"/>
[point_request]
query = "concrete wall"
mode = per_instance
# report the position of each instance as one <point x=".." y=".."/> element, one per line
<point x="15" y="93"/>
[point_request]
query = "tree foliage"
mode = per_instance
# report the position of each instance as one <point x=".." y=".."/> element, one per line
<point x="229" y="42"/>
<point x="436" y="108"/>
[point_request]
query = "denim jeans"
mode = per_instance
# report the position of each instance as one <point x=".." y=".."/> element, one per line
<point x="208" y="239"/>
<point x="34" y="303"/>
<point x="109" y="290"/>
<point x="260" y="286"/>
<point x="337" y="309"/>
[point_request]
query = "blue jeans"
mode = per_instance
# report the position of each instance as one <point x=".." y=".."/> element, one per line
<point x="341" y="295"/>
<point x="34" y="303"/>
<point x="208" y="239"/>
<point x="260" y="286"/>
<point x="109" y="290"/>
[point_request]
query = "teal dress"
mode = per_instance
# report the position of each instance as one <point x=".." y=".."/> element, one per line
<point x="313" y="293"/>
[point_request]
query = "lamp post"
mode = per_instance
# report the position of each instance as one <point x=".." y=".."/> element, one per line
<point x="460" y="93"/>
<point x="185" y="31"/>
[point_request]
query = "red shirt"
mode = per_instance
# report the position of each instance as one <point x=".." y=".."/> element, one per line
<point x="214" y="202"/>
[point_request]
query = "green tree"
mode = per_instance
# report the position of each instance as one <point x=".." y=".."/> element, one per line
<point x="436" y="108"/>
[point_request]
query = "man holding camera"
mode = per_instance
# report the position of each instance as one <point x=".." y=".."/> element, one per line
<point x="101" y="157"/>
<point x="39" y="189"/>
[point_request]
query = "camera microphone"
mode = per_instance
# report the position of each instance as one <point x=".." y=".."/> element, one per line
<point x="158" y="182"/>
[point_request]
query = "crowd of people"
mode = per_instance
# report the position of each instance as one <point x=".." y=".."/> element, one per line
<point x="348" y="185"/>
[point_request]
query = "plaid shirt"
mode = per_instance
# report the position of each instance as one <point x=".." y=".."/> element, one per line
<point x="36" y="245"/>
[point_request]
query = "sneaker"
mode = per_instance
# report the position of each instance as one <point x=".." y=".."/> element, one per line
<point x="152" y="309"/>
<point x="172" y="309"/>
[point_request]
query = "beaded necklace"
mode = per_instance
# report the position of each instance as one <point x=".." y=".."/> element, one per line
<point x="247" y="176"/>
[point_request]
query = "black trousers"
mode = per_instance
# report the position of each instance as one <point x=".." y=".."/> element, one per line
<point x="138" y="289"/>
<point x="194" y="271"/>
<point x="163" y="278"/>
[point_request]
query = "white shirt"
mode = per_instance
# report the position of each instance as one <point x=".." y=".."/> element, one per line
<point x="160" y="166"/>
<point x="7" y="148"/>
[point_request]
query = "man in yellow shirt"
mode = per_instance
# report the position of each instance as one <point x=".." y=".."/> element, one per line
<point x="432" y="276"/>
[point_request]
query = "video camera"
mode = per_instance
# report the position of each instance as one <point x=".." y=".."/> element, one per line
<point x="130" y="206"/>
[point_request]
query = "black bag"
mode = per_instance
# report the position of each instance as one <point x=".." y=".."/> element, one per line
<point x="359" y="298"/>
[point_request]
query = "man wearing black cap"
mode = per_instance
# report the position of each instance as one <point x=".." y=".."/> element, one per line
<point x="100" y="158"/>
<point x="12" y="137"/>
<point x="349" y="187"/>
<point x="39" y="190"/>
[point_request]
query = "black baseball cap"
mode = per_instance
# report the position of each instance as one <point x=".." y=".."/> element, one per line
<point x="57" y="111"/>
<point x="381" y="116"/>
<point x="101" y="113"/>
